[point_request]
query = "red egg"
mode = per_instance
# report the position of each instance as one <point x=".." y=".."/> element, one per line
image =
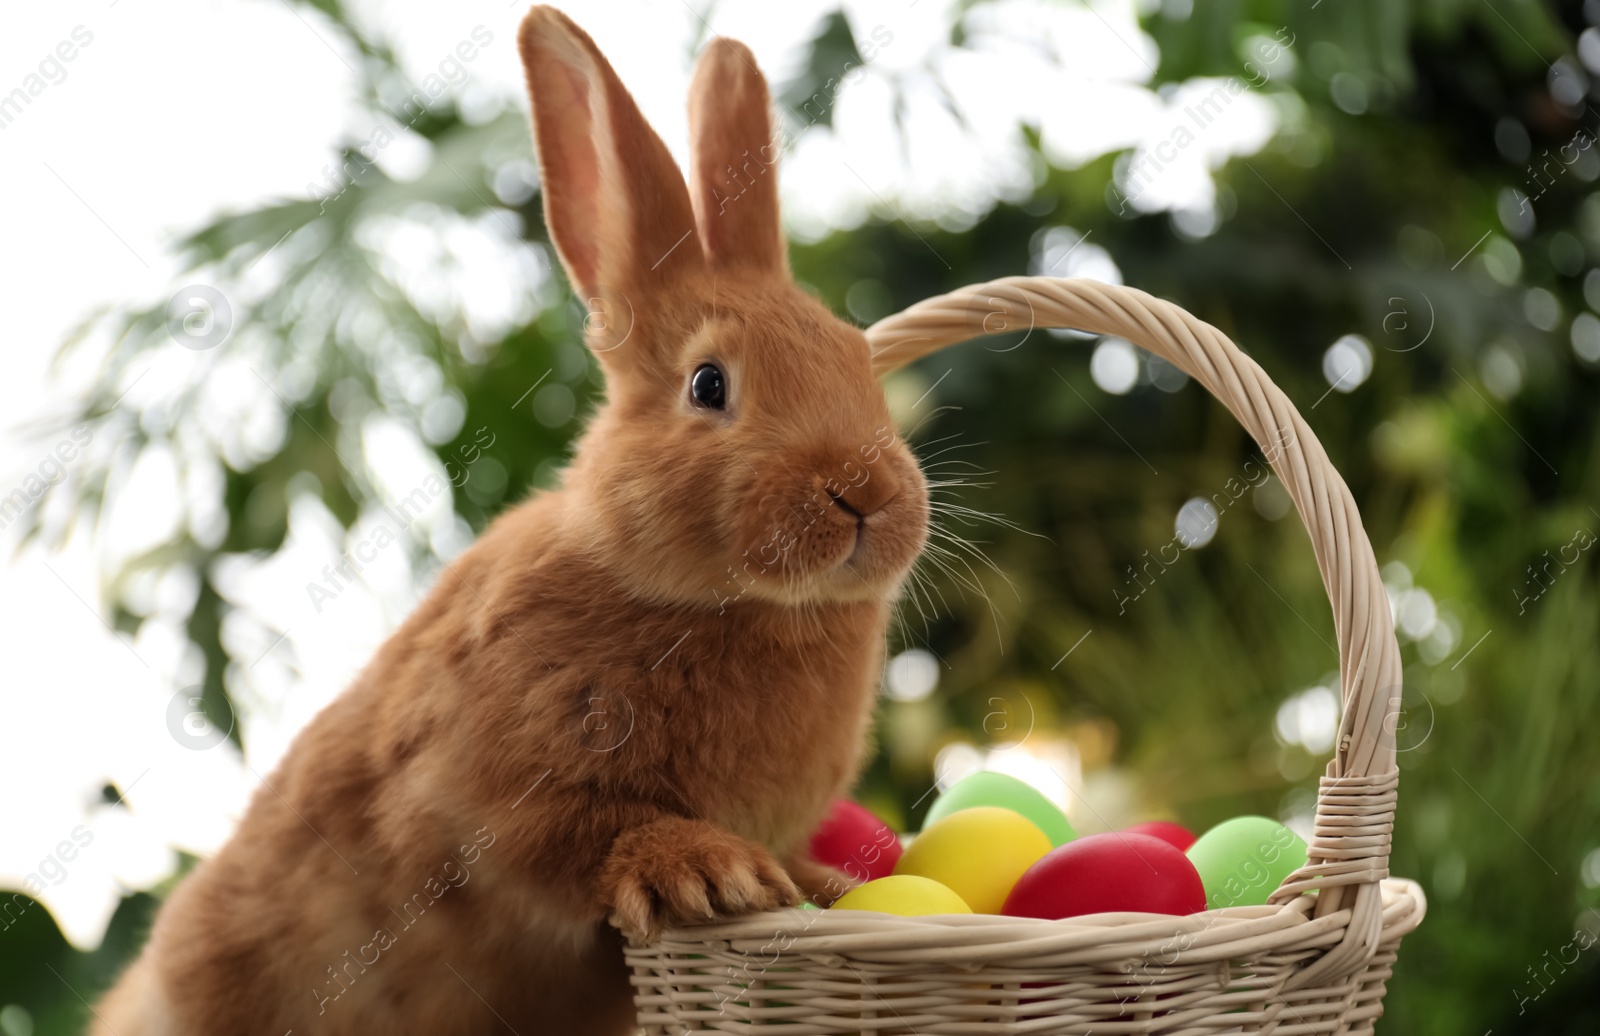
<point x="852" y="839"/>
<point x="1108" y="873"/>
<point x="1176" y="835"/>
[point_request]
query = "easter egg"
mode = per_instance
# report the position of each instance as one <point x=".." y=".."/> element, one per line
<point x="852" y="839"/>
<point x="1104" y="873"/>
<point x="1241" y="861"/>
<point x="904" y="894"/>
<point x="998" y="789"/>
<point x="1179" y="837"/>
<point x="977" y="853"/>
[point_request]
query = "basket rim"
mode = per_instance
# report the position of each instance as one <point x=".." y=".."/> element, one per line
<point x="1223" y="933"/>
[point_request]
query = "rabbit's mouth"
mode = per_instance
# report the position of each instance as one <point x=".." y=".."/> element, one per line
<point x="861" y="528"/>
<point x="884" y="545"/>
<point x="859" y="548"/>
<point x="861" y="541"/>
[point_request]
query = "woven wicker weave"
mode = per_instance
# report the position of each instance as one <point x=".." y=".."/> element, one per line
<point x="1306" y="963"/>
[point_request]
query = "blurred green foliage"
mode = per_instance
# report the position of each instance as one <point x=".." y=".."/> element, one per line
<point x="1382" y="199"/>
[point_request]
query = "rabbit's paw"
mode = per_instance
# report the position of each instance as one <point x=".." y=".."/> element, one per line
<point x="675" y="871"/>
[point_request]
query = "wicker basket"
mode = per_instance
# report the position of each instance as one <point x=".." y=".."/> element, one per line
<point x="1315" y="960"/>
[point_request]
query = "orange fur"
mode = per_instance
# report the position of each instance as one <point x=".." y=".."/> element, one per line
<point x="629" y="703"/>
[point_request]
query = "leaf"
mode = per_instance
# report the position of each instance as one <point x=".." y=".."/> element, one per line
<point x="807" y="100"/>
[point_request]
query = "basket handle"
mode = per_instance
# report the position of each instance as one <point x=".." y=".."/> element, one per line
<point x="1349" y="851"/>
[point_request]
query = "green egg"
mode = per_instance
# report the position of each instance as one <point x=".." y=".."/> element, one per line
<point x="997" y="789"/>
<point x="1243" y="860"/>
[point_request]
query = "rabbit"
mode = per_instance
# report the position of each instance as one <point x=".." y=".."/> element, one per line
<point x="627" y="705"/>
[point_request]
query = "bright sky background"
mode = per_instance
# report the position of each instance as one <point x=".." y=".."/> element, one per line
<point x="175" y="112"/>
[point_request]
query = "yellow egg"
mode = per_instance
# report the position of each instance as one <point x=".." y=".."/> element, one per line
<point x="977" y="853"/>
<point x="903" y="894"/>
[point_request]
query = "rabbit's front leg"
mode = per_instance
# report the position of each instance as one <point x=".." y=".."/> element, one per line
<point x="673" y="871"/>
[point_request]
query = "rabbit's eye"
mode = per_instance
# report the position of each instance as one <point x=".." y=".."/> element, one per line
<point x="708" y="387"/>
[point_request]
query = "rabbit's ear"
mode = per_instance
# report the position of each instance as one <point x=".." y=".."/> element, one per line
<point x="615" y="203"/>
<point x="734" y="165"/>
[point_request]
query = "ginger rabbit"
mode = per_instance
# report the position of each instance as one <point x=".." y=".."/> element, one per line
<point x="627" y="705"/>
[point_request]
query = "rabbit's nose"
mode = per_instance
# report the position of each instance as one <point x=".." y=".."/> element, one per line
<point x="862" y="500"/>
